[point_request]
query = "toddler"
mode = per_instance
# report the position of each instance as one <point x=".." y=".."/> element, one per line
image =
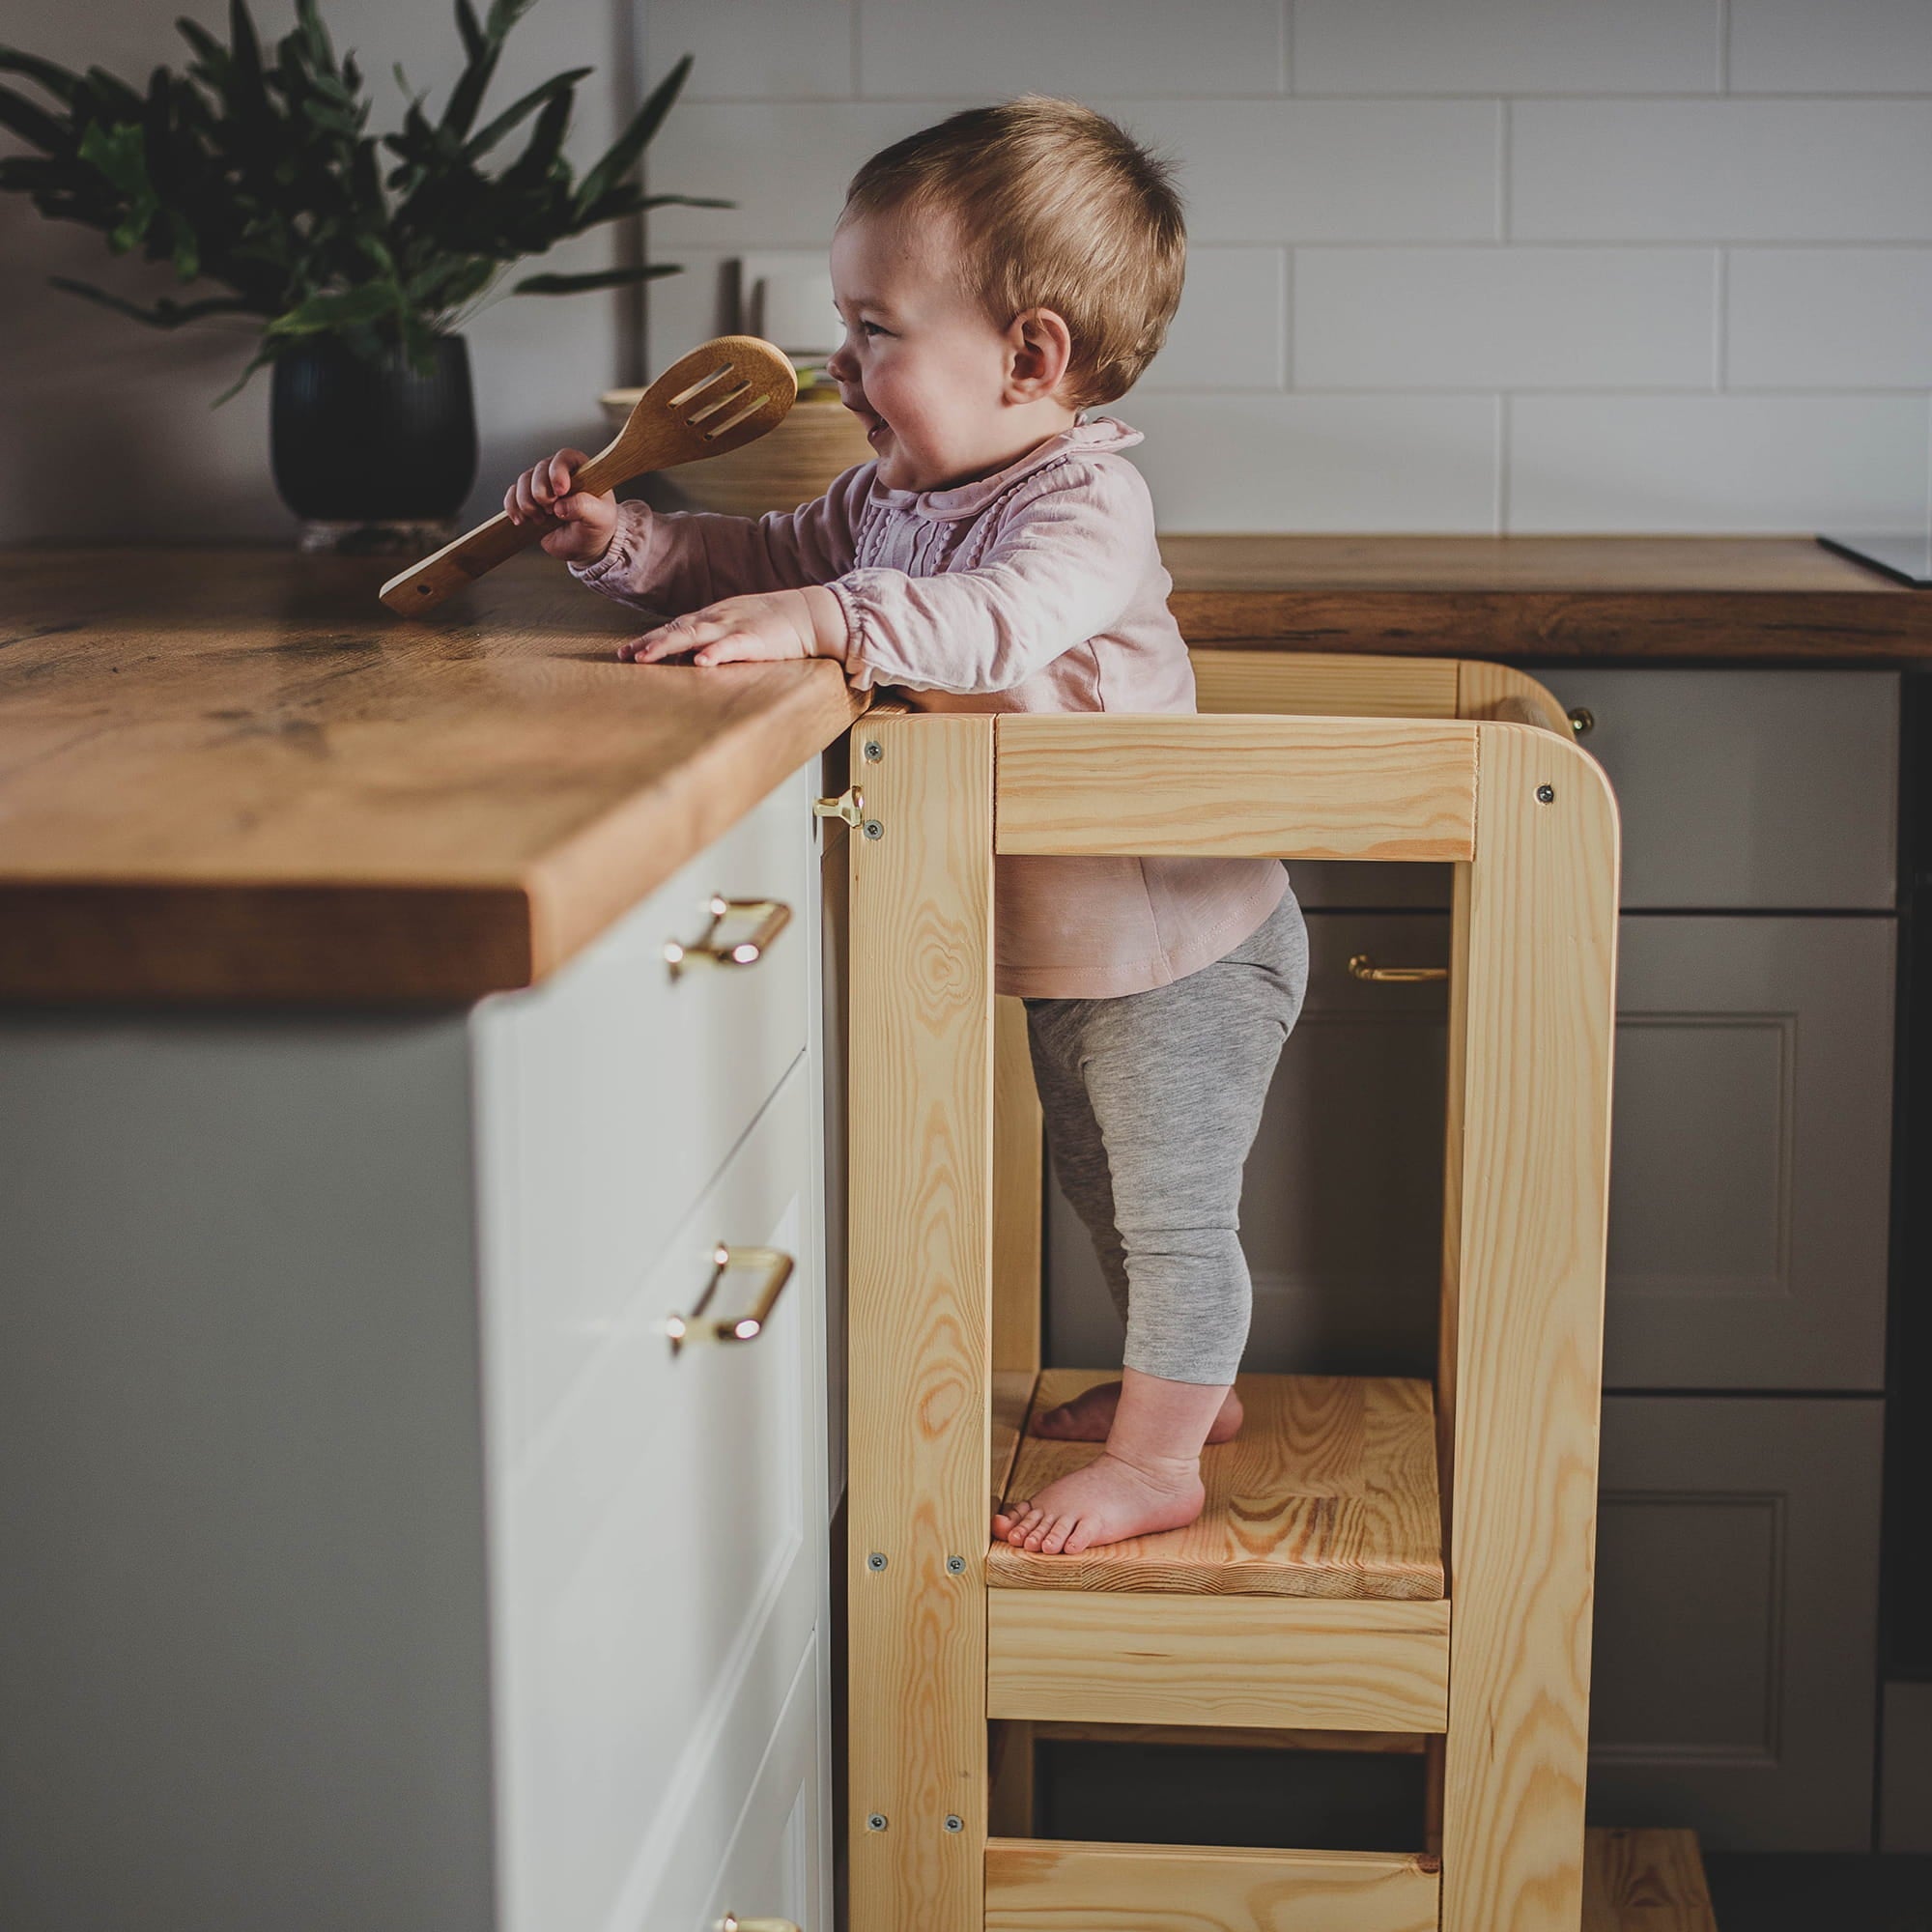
<point x="997" y="276"/>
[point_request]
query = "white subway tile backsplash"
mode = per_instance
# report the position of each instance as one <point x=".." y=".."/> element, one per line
<point x="1230" y="329"/>
<point x="995" y="48"/>
<point x="1830" y="319"/>
<point x="1318" y="463"/>
<point x="1504" y="318"/>
<point x="784" y="163"/>
<point x="1830" y="47"/>
<point x="1717" y="464"/>
<point x="1329" y="170"/>
<point x="1720" y="170"/>
<point x="1502" y="46"/>
<point x="753" y="49"/>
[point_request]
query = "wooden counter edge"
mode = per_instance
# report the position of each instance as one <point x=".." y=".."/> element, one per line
<point x="431" y="943"/>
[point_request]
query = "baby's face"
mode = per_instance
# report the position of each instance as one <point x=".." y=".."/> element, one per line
<point x="922" y="363"/>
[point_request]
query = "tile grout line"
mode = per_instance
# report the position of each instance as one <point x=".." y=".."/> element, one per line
<point x="1503" y="428"/>
<point x="1720" y="358"/>
<point x="1285" y="346"/>
<point x="1505" y="116"/>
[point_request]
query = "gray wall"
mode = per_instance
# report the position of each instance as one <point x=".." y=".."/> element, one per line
<point x="1458" y="265"/>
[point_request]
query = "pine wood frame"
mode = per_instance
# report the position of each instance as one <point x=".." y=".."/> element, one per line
<point x="1379" y="758"/>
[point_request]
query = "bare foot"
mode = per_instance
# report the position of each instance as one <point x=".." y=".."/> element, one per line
<point x="1107" y="1501"/>
<point x="1088" y="1417"/>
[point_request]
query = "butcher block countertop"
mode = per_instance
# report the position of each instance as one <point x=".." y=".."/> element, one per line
<point x="1629" y="599"/>
<point x="231" y="775"/>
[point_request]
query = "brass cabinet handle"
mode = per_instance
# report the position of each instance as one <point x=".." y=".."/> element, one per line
<point x="1582" y="719"/>
<point x="1362" y="967"/>
<point x="696" y="1327"/>
<point x="773" y="917"/>
<point x="731" y="1923"/>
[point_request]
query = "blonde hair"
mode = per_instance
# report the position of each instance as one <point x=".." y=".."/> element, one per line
<point x="1058" y="206"/>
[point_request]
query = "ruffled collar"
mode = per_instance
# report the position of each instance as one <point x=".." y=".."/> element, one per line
<point x="968" y="499"/>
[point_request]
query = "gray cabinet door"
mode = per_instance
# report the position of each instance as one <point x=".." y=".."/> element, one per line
<point x="1765" y="788"/>
<point x="1734" y="1662"/>
<point x="1342" y="1207"/>
<point x="1750" y="1134"/>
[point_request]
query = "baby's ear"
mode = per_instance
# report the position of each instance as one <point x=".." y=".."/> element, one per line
<point x="1039" y="348"/>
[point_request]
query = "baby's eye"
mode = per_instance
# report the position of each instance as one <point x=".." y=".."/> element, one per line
<point x="872" y="328"/>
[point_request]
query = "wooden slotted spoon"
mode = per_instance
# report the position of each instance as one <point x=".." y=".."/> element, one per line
<point x="726" y="393"/>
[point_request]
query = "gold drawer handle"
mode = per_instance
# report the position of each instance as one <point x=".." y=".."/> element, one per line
<point x="697" y="1327"/>
<point x="731" y="1923"/>
<point x="1362" y="967"/>
<point x="1582" y="719"/>
<point x="773" y="917"/>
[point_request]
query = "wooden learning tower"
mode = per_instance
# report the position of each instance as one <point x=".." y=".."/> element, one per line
<point x="1383" y="1563"/>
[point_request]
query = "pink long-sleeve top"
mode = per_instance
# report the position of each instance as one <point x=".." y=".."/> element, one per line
<point x="1038" y="589"/>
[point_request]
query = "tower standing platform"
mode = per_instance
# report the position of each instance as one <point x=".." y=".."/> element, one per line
<point x="1383" y="1563"/>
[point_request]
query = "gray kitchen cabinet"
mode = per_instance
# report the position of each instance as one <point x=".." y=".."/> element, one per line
<point x="1734" y="1650"/>
<point x="1750" y="1137"/>
<point x="1773" y="789"/>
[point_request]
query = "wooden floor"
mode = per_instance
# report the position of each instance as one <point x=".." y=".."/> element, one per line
<point x="1650" y="1881"/>
<point x="1329" y="1490"/>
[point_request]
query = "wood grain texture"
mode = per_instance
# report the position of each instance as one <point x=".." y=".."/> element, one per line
<point x="1010" y="1801"/>
<point x="921" y="1324"/>
<point x="1329" y="1490"/>
<point x="1631" y="599"/>
<point x="1503" y="694"/>
<point x="1018" y="1202"/>
<point x="232" y="776"/>
<point x="1068" y="1886"/>
<point x="1645" y="1880"/>
<point x="1535" y="970"/>
<point x="1292" y="788"/>
<point x="1319" y="684"/>
<point x="1378" y="1744"/>
<point x="1292" y="1662"/>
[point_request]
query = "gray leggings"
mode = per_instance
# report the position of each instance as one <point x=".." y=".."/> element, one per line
<point x="1151" y="1102"/>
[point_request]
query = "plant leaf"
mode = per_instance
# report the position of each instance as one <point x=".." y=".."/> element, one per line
<point x="33" y="124"/>
<point x="597" y="278"/>
<point x="58" y="81"/>
<point x="487" y="138"/>
<point x="624" y="151"/>
<point x="473" y="34"/>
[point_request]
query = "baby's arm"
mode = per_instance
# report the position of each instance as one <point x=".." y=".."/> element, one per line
<point x="1061" y="569"/>
<point x="678" y="559"/>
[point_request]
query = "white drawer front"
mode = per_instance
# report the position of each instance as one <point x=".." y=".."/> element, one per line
<point x="658" y="1564"/>
<point x="612" y="1094"/>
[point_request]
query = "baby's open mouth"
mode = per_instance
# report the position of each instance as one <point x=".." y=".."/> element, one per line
<point x="875" y="424"/>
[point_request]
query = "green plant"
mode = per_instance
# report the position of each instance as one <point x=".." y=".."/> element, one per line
<point x="255" y="171"/>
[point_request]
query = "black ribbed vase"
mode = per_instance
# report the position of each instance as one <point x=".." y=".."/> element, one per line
<point x="357" y="441"/>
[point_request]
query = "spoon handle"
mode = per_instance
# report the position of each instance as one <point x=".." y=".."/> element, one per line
<point x="423" y="586"/>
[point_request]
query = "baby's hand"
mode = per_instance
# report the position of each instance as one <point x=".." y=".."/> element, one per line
<point x="585" y="522"/>
<point x="764" y="627"/>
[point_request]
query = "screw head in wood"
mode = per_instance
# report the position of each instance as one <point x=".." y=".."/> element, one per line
<point x="876" y="1822"/>
<point x="953" y="1822"/>
<point x="1546" y="794"/>
<point x="955" y="1566"/>
<point x="876" y="1561"/>
<point x="874" y="751"/>
<point x="872" y="829"/>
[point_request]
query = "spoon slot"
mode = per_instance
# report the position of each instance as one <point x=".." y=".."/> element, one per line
<point x="716" y="403"/>
<point x="731" y="422"/>
<point x="703" y="384"/>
